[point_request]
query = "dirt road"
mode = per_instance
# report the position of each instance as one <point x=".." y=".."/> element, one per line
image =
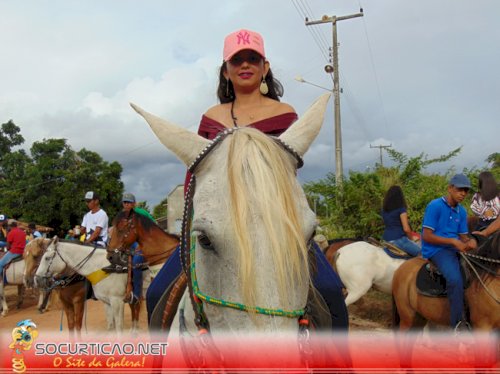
<point x="370" y="313"/>
<point x="94" y="319"/>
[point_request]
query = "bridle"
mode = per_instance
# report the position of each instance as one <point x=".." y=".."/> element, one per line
<point x="77" y="267"/>
<point x="474" y="261"/>
<point x="125" y="248"/>
<point x="187" y="256"/>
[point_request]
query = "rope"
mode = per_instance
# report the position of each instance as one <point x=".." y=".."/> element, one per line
<point x="61" y="322"/>
<point x="494" y="297"/>
<point x="486" y="259"/>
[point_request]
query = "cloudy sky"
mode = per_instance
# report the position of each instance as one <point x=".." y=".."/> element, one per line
<point x="419" y="75"/>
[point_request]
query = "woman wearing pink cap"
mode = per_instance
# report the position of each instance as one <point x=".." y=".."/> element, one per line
<point x="249" y="96"/>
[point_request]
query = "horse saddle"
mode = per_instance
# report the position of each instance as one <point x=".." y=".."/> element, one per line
<point x="390" y="249"/>
<point x="430" y="282"/>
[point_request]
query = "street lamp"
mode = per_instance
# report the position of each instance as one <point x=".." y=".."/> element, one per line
<point x="336" y="121"/>
<point x="299" y="78"/>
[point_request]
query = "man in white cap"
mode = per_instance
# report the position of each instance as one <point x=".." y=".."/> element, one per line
<point x="95" y="222"/>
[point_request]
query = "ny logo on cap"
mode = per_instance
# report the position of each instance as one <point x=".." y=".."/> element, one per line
<point x="243" y="37"/>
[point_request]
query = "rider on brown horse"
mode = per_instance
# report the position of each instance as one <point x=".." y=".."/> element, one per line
<point x="444" y="236"/>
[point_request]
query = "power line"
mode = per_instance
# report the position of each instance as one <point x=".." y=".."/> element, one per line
<point x="381" y="147"/>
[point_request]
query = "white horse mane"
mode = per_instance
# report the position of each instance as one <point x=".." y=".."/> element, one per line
<point x="262" y="182"/>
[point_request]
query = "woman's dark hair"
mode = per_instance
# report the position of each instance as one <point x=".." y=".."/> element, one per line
<point x="225" y="94"/>
<point x="394" y="199"/>
<point x="488" y="187"/>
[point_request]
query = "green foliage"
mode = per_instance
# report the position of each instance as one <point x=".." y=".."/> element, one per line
<point x="160" y="210"/>
<point x="9" y="137"/>
<point x="355" y="210"/>
<point x="49" y="186"/>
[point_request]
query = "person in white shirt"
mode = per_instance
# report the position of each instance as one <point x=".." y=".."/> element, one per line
<point x="95" y="222"/>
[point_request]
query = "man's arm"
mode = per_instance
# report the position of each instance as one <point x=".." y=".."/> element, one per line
<point x="463" y="244"/>
<point x="494" y="226"/>
<point x="95" y="235"/>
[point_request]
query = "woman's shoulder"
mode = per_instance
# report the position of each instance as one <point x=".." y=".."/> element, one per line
<point x="216" y="111"/>
<point x="279" y="108"/>
<point x="218" y="115"/>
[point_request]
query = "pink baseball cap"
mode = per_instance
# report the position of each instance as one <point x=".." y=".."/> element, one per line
<point x="243" y="39"/>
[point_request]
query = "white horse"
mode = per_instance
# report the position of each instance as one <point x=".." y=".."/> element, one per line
<point x="15" y="277"/>
<point x="361" y="265"/>
<point x="250" y="225"/>
<point x="87" y="261"/>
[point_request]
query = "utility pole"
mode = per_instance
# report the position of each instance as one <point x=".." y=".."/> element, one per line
<point x="380" y="147"/>
<point x="336" y="88"/>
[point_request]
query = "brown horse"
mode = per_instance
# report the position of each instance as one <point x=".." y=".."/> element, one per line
<point x="156" y="245"/>
<point x="72" y="296"/>
<point x="482" y="296"/>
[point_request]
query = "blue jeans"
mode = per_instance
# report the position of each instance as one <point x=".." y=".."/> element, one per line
<point x="326" y="281"/>
<point x="447" y="262"/>
<point x="137" y="274"/>
<point x="8" y="257"/>
<point x="407" y="245"/>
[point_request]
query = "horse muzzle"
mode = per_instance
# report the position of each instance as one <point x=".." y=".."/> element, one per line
<point x="43" y="282"/>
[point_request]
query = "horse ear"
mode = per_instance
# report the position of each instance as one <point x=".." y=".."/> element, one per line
<point x="185" y="144"/>
<point x="303" y="132"/>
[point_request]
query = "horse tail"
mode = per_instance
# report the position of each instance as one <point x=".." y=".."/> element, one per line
<point x="395" y="315"/>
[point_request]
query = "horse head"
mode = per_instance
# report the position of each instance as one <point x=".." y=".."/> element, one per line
<point x="51" y="264"/>
<point x="249" y="223"/>
<point x="123" y="233"/>
<point x="32" y="254"/>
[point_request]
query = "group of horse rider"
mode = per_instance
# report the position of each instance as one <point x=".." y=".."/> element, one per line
<point x="95" y="228"/>
<point x="445" y="232"/>
<point x="13" y="239"/>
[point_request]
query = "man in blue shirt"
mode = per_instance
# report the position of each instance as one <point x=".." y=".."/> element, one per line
<point x="444" y="236"/>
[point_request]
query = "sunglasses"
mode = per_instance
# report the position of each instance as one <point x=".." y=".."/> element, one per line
<point x="252" y="58"/>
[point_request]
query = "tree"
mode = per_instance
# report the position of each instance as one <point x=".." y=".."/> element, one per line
<point x="160" y="210"/>
<point x="49" y="186"/>
<point x="9" y="137"/>
<point x="354" y="211"/>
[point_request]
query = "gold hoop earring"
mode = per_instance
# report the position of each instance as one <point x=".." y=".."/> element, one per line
<point x="263" y="88"/>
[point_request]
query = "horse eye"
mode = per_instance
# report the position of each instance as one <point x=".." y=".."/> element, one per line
<point x="205" y="242"/>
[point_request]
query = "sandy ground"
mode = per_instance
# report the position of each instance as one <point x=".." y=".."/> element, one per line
<point x="94" y="318"/>
<point x="370" y="313"/>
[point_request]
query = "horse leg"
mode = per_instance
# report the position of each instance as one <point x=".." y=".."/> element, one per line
<point x="135" y="309"/>
<point x="116" y="310"/>
<point x="79" y="306"/>
<point x="110" y="318"/>
<point x="356" y="289"/>
<point x="21" y="290"/>
<point x="5" y="307"/>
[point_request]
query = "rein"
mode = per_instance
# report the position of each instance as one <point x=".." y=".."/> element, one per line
<point x="188" y="245"/>
<point x="77" y="267"/>
<point x="156" y="257"/>
<point x="477" y="261"/>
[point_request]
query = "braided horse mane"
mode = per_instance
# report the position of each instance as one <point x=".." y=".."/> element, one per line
<point x="262" y="184"/>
